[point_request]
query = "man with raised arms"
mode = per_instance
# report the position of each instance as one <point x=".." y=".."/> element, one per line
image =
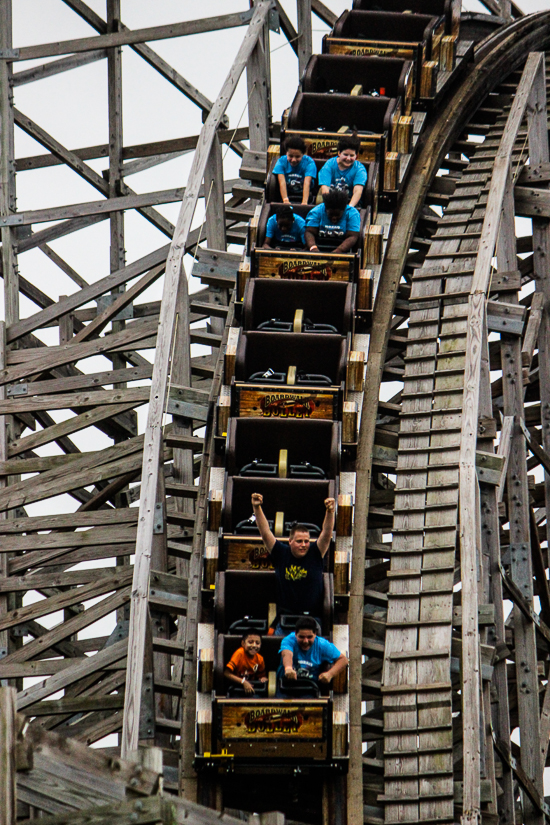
<point x="298" y="564"/>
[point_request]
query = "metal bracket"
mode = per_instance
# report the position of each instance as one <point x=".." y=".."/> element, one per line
<point x="246" y="16"/>
<point x="120" y="632"/>
<point x="105" y="301"/>
<point x="158" y="524"/>
<point x="23" y="232"/>
<point x="273" y="21"/>
<point x="17" y="389"/>
<point x="9" y="54"/>
<point x="147" y="708"/>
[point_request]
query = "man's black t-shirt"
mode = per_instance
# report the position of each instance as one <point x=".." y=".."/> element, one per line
<point x="299" y="581"/>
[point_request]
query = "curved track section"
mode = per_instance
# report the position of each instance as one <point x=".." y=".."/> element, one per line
<point x="423" y="338"/>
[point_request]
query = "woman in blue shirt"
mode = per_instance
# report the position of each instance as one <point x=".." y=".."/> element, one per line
<point x="333" y="224"/>
<point x="345" y="171"/>
<point x="285" y="230"/>
<point x="295" y="171"/>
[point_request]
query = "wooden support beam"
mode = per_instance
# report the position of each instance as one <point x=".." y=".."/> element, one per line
<point x="303" y="8"/>
<point x="143" y="150"/>
<point x="57" y="66"/>
<point x="10" y="271"/>
<point x="323" y="13"/>
<point x="90" y="293"/>
<point x="8" y="774"/>
<point x="495" y="229"/>
<point x="128" y="37"/>
<point x="153" y="436"/>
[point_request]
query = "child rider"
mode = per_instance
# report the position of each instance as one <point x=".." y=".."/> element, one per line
<point x="333" y="224"/>
<point x="345" y="171"/>
<point x="285" y="230"/>
<point x="295" y="171"/>
<point x="246" y="665"/>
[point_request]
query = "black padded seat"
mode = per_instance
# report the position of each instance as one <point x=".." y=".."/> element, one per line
<point x="300" y="501"/>
<point x="316" y="442"/>
<point x="393" y="27"/>
<point x="449" y="9"/>
<point x="325" y="302"/>
<point x="313" y="354"/>
<point x="314" y="112"/>
<point x="242" y="593"/>
<point x="341" y="72"/>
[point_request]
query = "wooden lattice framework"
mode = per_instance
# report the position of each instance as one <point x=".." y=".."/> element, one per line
<point x="138" y="681"/>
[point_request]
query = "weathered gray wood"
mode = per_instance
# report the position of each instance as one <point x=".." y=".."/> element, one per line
<point x="153" y="435"/>
<point x="7" y="171"/>
<point x="257" y="87"/>
<point x="323" y="13"/>
<point x="128" y="37"/>
<point x="57" y="66"/>
<point x="500" y="184"/>
<point x="304" y="34"/>
<point x="90" y="293"/>
<point x="64" y="401"/>
<point x="8" y="735"/>
<point x="144" y="150"/>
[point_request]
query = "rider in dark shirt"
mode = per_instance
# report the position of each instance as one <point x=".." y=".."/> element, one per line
<point x="298" y="564"/>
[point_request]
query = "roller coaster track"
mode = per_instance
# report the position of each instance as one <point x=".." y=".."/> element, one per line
<point x="446" y="675"/>
<point x="422" y="336"/>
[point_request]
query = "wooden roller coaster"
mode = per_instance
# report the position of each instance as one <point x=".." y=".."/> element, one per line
<point x="408" y="378"/>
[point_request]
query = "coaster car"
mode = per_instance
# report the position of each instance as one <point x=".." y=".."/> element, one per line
<point x="303" y="442"/>
<point x="325" y="307"/>
<point x="343" y="73"/>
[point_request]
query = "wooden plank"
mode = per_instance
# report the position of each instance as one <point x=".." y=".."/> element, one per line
<point x="61" y="401"/>
<point x="130" y="37"/>
<point x="43" y="607"/>
<point x="83" y="296"/>
<point x="72" y="674"/>
<point x="80" y="382"/>
<point x="57" y="66"/>
<point x="8" y="774"/>
<point x="532" y="331"/>
<point x="70" y="425"/>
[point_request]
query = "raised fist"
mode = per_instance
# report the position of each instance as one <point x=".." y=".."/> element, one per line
<point x="258" y="499"/>
<point x="330" y="504"/>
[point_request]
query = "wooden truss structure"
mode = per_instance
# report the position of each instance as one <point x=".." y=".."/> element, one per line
<point x="446" y="676"/>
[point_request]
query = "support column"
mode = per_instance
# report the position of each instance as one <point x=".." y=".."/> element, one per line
<point x="257" y="89"/>
<point x="215" y="223"/>
<point x="304" y="34"/>
<point x="7" y="169"/>
<point x="521" y="568"/>
<point x="114" y="74"/>
<point x="8" y="800"/>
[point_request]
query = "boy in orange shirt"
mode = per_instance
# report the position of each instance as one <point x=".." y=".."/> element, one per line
<point x="246" y="665"/>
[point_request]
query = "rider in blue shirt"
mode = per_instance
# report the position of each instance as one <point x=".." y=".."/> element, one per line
<point x="295" y="171"/>
<point x="333" y="224"/>
<point x="345" y="171"/>
<point x="304" y="654"/>
<point x="285" y="230"/>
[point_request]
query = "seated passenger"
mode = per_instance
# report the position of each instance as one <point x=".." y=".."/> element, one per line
<point x="295" y="171"/>
<point x="303" y="655"/>
<point x="246" y="665"/>
<point x="345" y="171"/>
<point x="298" y="564"/>
<point x="333" y="224"/>
<point x="285" y="230"/>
